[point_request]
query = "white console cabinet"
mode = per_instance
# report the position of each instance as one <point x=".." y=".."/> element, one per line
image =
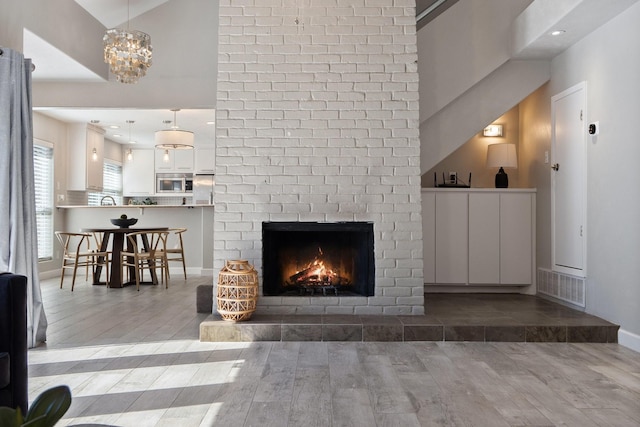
<point x="479" y="237"/>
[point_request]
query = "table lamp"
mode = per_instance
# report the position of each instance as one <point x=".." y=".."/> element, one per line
<point x="502" y="156"/>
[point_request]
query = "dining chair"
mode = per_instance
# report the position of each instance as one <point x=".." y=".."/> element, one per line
<point x="146" y="254"/>
<point x="77" y="252"/>
<point x="176" y="253"/>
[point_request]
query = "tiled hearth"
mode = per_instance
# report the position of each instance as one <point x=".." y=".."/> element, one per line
<point x="451" y="317"/>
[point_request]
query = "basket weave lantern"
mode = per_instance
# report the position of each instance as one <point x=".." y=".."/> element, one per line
<point x="237" y="290"/>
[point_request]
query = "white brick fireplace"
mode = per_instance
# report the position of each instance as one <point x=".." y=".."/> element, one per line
<point x="317" y="120"/>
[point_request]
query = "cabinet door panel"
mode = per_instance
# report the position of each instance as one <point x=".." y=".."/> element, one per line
<point x="516" y="239"/>
<point x="484" y="238"/>
<point x="205" y="161"/>
<point x="452" y="238"/>
<point x="183" y="160"/>
<point x="429" y="236"/>
<point x="95" y="160"/>
<point x="164" y="160"/>
<point x="138" y="176"/>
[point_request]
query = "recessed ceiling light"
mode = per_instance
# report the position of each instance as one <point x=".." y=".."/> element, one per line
<point x="211" y="123"/>
<point x="557" y="32"/>
<point x="133" y="142"/>
<point x="117" y="135"/>
<point x="114" y="127"/>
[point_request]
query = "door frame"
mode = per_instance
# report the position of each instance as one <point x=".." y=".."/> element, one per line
<point x="561" y="269"/>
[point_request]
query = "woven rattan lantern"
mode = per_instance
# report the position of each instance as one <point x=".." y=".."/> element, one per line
<point x="237" y="291"/>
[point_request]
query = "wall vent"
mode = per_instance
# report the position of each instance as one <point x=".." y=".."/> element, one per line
<point x="562" y="286"/>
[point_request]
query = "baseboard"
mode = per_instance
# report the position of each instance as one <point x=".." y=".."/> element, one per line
<point x="49" y="274"/>
<point x="629" y="340"/>
<point x="174" y="271"/>
<point x="466" y="289"/>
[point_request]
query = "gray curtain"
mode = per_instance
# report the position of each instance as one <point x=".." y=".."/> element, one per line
<point x="18" y="239"/>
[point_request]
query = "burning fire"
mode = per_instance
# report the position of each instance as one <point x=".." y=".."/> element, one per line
<point x="315" y="273"/>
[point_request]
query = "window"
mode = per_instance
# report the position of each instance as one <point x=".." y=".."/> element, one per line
<point x="111" y="184"/>
<point x="43" y="176"/>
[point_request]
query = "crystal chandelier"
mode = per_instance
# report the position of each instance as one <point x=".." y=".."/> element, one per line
<point x="128" y="52"/>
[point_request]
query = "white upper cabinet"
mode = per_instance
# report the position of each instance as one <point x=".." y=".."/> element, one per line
<point x="138" y="175"/>
<point x="86" y="157"/>
<point x="205" y="161"/>
<point x="174" y="160"/>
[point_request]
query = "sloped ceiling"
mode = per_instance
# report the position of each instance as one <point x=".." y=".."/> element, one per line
<point x="113" y="13"/>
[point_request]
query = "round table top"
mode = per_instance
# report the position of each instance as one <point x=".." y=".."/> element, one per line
<point x="123" y="229"/>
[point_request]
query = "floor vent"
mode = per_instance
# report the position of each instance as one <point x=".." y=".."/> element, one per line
<point x="562" y="286"/>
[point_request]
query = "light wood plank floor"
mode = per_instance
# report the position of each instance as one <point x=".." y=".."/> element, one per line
<point x="134" y="359"/>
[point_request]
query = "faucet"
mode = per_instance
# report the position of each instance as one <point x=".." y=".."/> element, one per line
<point x="113" y="201"/>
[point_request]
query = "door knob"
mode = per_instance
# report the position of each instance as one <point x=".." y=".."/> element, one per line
<point x="555" y="167"/>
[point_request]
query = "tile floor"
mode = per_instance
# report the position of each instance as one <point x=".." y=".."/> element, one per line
<point x="134" y="359"/>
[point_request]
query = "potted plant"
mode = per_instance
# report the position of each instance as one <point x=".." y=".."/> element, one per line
<point x="45" y="411"/>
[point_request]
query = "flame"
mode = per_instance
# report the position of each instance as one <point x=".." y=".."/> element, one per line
<point x="316" y="271"/>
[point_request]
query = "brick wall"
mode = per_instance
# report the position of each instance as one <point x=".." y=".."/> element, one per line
<point x="317" y="120"/>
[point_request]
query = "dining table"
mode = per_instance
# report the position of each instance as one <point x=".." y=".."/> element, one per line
<point x="117" y="236"/>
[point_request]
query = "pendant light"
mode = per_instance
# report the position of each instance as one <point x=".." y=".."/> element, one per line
<point x="174" y="138"/>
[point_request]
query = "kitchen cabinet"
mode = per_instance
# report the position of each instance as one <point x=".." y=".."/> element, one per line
<point x="480" y="237"/>
<point x="138" y="175"/>
<point x="85" y="146"/>
<point x="205" y="161"/>
<point x="174" y="161"/>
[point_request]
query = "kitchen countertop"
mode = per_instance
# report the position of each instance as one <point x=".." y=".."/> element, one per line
<point x="132" y="206"/>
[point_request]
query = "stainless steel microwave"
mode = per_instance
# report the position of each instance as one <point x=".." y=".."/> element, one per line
<point x="174" y="183"/>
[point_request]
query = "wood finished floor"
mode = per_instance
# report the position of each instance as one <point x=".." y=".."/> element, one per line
<point x="134" y="359"/>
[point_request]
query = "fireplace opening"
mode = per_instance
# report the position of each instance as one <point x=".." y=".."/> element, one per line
<point x="318" y="259"/>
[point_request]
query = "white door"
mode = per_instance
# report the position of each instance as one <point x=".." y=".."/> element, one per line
<point x="568" y="180"/>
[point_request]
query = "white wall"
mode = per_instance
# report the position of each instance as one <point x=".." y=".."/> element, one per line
<point x="461" y="47"/>
<point x="184" y="38"/>
<point x="472" y="157"/>
<point x="54" y="132"/>
<point x="609" y="61"/>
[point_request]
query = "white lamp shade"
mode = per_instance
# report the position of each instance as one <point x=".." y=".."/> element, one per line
<point x="502" y="156"/>
<point x="174" y="139"/>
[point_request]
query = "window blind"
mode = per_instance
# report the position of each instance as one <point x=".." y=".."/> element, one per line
<point x="111" y="184"/>
<point x="43" y="177"/>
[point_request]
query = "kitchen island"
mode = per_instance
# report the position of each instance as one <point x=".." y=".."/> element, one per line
<point x="197" y="219"/>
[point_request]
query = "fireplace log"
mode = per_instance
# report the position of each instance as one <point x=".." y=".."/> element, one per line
<point x="302" y="274"/>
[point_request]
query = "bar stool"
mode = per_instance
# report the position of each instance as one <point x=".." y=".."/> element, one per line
<point x="77" y="252"/>
<point x="150" y="256"/>
<point x="176" y="253"/>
